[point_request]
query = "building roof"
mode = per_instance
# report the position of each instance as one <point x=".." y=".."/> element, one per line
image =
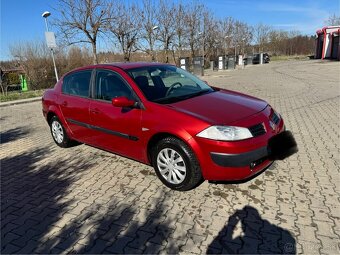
<point x="328" y="29"/>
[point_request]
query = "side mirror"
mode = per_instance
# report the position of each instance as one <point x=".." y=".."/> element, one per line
<point x="123" y="102"/>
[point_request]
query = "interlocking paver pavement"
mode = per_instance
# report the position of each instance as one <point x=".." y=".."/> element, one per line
<point x="83" y="200"/>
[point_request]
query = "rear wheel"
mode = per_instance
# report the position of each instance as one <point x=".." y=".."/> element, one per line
<point x="59" y="134"/>
<point x="176" y="165"/>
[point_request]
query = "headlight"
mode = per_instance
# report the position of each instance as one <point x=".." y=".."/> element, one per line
<point x="225" y="133"/>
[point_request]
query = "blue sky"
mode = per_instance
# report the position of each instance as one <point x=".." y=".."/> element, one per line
<point x="21" y="19"/>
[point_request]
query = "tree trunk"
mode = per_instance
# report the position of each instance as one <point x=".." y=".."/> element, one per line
<point x="153" y="57"/>
<point x="166" y="55"/>
<point x="126" y="57"/>
<point x="94" y="52"/>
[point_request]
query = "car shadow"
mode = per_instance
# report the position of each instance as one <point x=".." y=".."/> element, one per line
<point x="33" y="194"/>
<point x="13" y="134"/>
<point x="247" y="233"/>
<point x="40" y="213"/>
<point x="114" y="229"/>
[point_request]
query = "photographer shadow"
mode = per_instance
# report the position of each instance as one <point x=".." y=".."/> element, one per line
<point x="247" y="233"/>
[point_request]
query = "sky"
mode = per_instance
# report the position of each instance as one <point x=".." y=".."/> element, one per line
<point x="21" y="19"/>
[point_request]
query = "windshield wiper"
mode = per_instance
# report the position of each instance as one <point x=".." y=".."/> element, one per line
<point x="168" y="100"/>
<point x="198" y="93"/>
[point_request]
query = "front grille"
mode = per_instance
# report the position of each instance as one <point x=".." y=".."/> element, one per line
<point x="257" y="130"/>
<point x="275" y="118"/>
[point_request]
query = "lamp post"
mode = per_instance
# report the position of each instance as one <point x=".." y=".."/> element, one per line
<point x="225" y="50"/>
<point x="45" y="15"/>
<point x="202" y="34"/>
<point x="154" y="58"/>
<point x="243" y="44"/>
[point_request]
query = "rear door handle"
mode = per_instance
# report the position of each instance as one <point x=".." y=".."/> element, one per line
<point x="95" y="111"/>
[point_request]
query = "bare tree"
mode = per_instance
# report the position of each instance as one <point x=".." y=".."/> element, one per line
<point x="226" y="27"/>
<point x="82" y="21"/>
<point x="34" y="58"/>
<point x="3" y="83"/>
<point x="261" y="35"/>
<point x="167" y="25"/>
<point x="125" y="27"/>
<point x="333" y="20"/>
<point x="180" y="30"/>
<point x="193" y="19"/>
<point x="242" y="36"/>
<point x="77" y="57"/>
<point x="149" y="27"/>
<point x="212" y="42"/>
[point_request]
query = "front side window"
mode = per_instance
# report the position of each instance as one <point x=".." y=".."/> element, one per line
<point x="110" y="85"/>
<point x="169" y="83"/>
<point x="77" y="83"/>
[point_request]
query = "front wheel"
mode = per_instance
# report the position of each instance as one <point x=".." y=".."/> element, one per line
<point x="176" y="165"/>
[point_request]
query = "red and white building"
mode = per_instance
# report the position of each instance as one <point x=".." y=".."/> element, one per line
<point x="327" y="43"/>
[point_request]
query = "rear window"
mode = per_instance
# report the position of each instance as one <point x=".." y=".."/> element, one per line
<point x="77" y="83"/>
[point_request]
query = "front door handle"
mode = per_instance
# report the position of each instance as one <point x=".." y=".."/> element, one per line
<point x="64" y="103"/>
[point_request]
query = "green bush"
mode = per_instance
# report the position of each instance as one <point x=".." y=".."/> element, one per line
<point x="15" y="95"/>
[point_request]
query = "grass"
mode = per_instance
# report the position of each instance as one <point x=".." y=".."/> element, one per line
<point x="286" y="57"/>
<point x="15" y="95"/>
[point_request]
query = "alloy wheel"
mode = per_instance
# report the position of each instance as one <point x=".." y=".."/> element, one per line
<point x="171" y="166"/>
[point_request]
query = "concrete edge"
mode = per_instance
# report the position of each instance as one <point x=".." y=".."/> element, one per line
<point x="20" y="101"/>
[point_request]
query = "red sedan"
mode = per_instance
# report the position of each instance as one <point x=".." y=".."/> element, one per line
<point x="165" y="117"/>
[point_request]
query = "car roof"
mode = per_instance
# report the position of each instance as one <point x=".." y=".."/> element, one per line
<point x="123" y="65"/>
<point x="132" y="65"/>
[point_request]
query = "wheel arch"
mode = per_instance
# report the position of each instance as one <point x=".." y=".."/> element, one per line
<point x="54" y="111"/>
<point x="158" y="137"/>
<point x="50" y="115"/>
<point x="155" y="138"/>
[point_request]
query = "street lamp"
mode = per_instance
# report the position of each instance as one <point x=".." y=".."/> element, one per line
<point x="202" y="33"/>
<point x="154" y="58"/>
<point x="50" y="37"/>
<point x="243" y="44"/>
<point x="225" y="51"/>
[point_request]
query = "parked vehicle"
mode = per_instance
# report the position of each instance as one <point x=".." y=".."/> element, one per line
<point x="256" y="58"/>
<point x="165" y="117"/>
<point x="266" y="58"/>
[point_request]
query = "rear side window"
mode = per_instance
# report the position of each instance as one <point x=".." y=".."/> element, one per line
<point x="77" y="83"/>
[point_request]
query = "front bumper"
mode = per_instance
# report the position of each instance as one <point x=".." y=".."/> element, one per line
<point x="238" y="160"/>
<point x="279" y="147"/>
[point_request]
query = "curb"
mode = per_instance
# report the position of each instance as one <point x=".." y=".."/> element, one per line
<point x="20" y="101"/>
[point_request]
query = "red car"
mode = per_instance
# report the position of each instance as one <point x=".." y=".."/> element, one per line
<point x="165" y="117"/>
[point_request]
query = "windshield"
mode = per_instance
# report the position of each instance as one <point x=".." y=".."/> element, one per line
<point x="168" y="84"/>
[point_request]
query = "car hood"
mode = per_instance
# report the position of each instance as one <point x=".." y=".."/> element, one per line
<point x="221" y="107"/>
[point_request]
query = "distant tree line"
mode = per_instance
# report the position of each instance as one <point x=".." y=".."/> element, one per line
<point x="167" y="28"/>
<point x="147" y="30"/>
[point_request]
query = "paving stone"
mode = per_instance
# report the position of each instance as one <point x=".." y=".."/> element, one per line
<point x="77" y="199"/>
<point x="98" y="247"/>
<point x="140" y="240"/>
<point x="9" y="248"/>
<point x="29" y="247"/>
<point x="119" y="245"/>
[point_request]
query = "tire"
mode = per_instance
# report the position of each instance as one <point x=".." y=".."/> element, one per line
<point x="176" y="165"/>
<point x="59" y="134"/>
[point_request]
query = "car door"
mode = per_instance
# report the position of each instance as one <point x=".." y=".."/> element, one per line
<point x="116" y="129"/>
<point x="74" y="103"/>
